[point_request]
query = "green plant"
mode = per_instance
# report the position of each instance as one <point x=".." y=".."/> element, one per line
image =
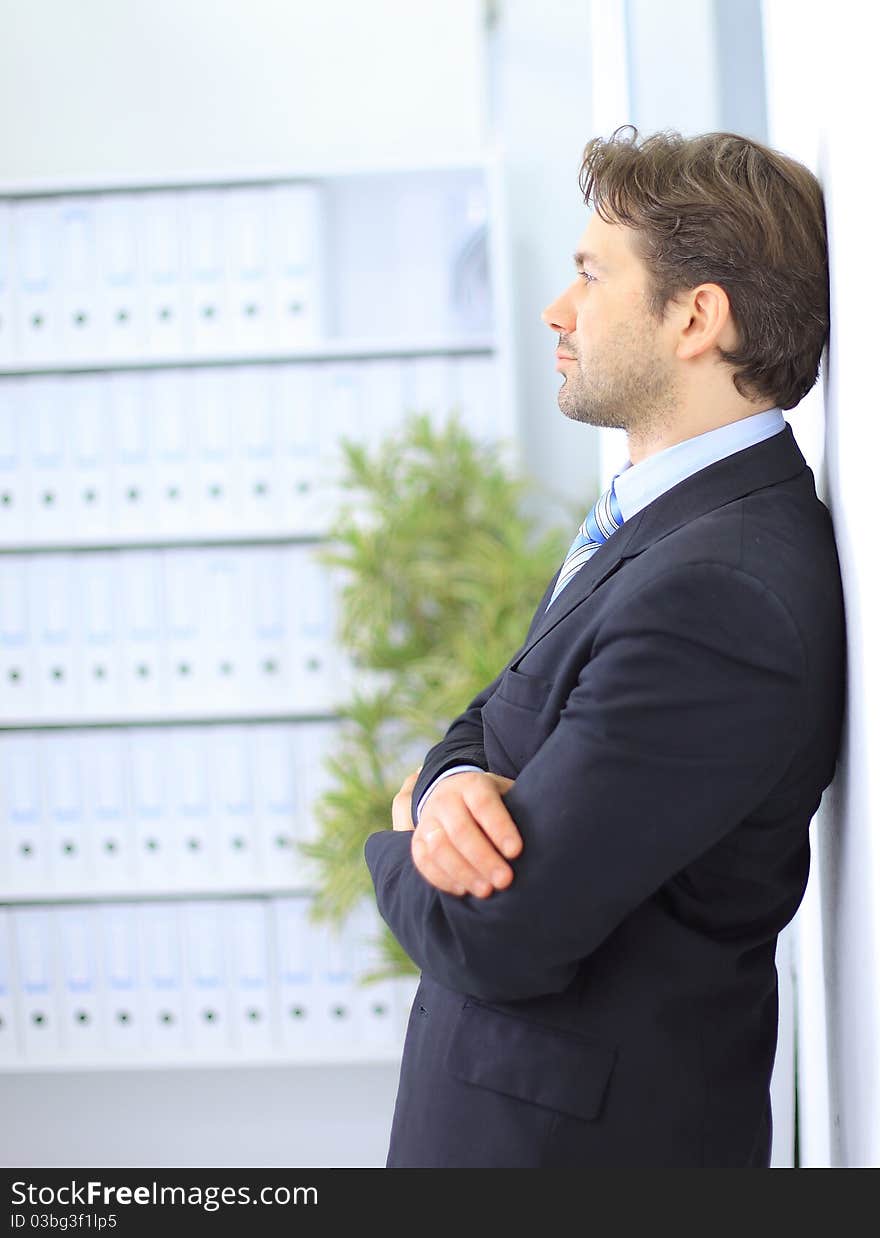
<point x="442" y="572"/>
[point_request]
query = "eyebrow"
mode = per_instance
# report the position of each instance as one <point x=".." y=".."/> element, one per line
<point x="584" y="257"/>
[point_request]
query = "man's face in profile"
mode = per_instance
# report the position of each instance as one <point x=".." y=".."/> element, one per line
<point x="616" y="371"/>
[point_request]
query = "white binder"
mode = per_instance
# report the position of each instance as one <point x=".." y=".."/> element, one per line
<point x="186" y="673"/>
<point x="53" y="595"/>
<point x="311" y="620"/>
<point x="217" y="473"/>
<point x="295" y="997"/>
<point x="14" y="477"/>
<point x="299" y="418"/>
<point x="81" y="1024"/>
<point x="99" y="636"/>
<point x="25" y="855"/>
<point x="267" y="631"/>
<point x="235" y="809"/>
<point x="36" y="296"/>
<point x="138" y="584"/>
<point x="92" y="482"/>
<point x="134" y="507"/>
<point x="70" y="861"/>
<point x="315" y="742"/>
<point x="160" y="230"/>
<point x="78" y="278"/>
<point x="251" y="395"/>
<point x="191" y="801"/>
<point x="296" y="248"/>
<point x="336" y="1010"/>
<point x="17" y="656"/>
<point x="226" y="640"/>
<point x="253" y="325"/>
<point x="106" y="771"/>
<point x="206" y="991"/>
<point x="277" y="801"/>
<point x="7" y="323"/>
<point x="9" y="1047"/>
<point x="35" y="964"/>
<point x="375" y="1004"/>
<point x="340" y="397"/>
<point x="162" y="994"/>
<point x="121" y="981"/>
<point x="44" y="408"/>
<point x="121" y="295"/>
<point x="208" y="327"/>
<point x="168" y="395"/>
<point x="155" y="837"/>
<point x="247" y="942"/>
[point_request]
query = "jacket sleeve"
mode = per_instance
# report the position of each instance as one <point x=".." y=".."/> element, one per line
<point x="686" y="715"/>
<point x="463" y="742"/>
<point x="461" y="745"/>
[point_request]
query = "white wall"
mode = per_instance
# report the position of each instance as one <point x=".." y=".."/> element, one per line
<point x="838" y="962"/>
<point x="136" y="87"/>
<point x="674" y="80"/>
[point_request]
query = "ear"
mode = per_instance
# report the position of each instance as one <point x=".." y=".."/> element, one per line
<point x="706" y="322"/>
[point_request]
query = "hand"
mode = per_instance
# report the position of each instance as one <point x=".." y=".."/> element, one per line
<point x="462" y="824"/>
<point x="401" y="805"/>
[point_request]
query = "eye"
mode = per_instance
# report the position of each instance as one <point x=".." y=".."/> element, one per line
<point x="587" y="276"/>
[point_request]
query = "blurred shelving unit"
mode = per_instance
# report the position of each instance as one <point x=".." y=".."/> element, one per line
<point x="178" y="364"/>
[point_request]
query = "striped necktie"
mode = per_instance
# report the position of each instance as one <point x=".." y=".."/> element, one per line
<point x="604" y="519"/>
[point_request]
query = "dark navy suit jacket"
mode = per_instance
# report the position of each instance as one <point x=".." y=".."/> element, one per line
<point x="671" y="723"/>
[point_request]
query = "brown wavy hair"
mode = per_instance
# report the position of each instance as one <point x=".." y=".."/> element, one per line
<point x="720" y="208"/>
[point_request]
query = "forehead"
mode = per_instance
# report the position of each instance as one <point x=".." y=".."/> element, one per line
<point x="611" y="244"/>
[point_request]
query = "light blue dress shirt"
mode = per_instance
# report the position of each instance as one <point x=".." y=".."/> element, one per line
<point x="637" y="485"/>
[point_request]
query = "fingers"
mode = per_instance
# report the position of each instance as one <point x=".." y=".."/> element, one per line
<point x="401" y="814"/>
<point x="440" y="863"/>
<point x="482" y="796"/>
<point x="424" y="847"/>
<point x="455" y="846"/>
<point x="401" y="805"/>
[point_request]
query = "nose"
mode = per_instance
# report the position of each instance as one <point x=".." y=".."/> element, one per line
<point x="559" y="316"/>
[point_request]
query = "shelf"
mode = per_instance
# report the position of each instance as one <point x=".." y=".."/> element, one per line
<point x="325" y="350"/>
<point x="256" y="177"/>
<point x="323" y="1055"/>
<point x="167" y="719"/>
<point x="172" y="542"/>
<point x="141" y="894"/>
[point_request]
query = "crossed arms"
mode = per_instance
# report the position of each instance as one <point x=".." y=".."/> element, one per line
<point x="684" y="718"/>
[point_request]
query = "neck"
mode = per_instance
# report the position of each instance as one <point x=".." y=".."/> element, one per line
<point x="642" y="443"/>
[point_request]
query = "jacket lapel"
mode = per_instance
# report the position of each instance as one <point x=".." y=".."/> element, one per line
<point x="775" y="460"/>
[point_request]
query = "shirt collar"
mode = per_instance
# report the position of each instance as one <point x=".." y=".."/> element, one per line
<point x="637" y="485"/>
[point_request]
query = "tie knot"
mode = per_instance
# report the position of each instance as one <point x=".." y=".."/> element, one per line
<point x="604" y="518"/>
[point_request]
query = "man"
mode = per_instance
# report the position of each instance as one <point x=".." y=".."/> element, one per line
<point x="650" y="758"/>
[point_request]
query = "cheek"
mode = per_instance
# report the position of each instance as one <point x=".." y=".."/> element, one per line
<point x="586" y="329"/>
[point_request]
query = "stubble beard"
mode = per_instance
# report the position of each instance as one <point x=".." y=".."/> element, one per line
<point x="633" y="391"/>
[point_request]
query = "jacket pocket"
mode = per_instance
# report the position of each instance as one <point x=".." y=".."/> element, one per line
<point x="527" y="691"/>
<point x="529" y="1061"/>
<point x="515" y="724"/>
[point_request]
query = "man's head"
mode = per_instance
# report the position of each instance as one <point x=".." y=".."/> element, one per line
<point x="702" y="287"/>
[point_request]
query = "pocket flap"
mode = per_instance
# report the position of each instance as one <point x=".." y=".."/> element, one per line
<point x="539" y="1064"/>
<point x="528" y="691"/>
